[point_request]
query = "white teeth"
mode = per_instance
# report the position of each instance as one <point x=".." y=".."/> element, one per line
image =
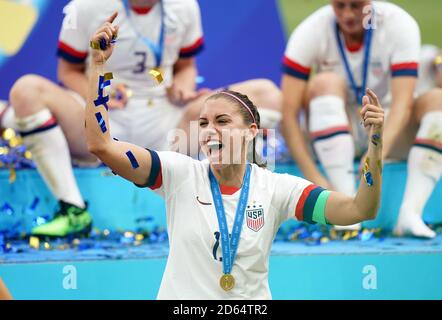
<point x="214" y="144"/>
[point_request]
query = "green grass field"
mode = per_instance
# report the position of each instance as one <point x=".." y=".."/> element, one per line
<point x="428" y="14"/>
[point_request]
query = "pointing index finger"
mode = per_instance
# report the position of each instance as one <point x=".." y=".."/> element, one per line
<point x="373" y="97"/>
<point x="112" y="17"/>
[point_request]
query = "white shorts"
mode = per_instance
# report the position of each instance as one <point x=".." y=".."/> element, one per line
<point x="143" y="122"/>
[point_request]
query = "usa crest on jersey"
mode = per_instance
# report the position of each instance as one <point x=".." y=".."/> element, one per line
<point x="255" y="217"/>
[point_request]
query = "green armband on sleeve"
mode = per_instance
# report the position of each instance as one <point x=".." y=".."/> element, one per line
<point x="319" y="209"/>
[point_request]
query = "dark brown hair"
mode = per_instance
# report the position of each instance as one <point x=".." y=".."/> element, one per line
<point x="238" y="99"/>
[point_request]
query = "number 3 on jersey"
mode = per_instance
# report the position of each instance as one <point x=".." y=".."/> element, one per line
<point x="141" y="57"/>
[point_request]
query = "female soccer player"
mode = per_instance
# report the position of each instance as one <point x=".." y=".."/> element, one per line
<point x="207" y="201"/>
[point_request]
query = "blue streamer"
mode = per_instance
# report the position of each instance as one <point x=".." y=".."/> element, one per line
<point x="101" y="122"/>
<point x="132" y="159"/>
<point x="368" y="178"/>
<point x="102" y="100"/>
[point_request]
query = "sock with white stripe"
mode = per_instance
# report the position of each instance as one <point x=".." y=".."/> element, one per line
<point x="424" y="171"/>
<point x="47" y="143"/>
<point x="333" y="143"/>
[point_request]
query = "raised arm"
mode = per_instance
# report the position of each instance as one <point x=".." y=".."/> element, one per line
<point x="345" y="210"/>
<point x="127" y="160"/>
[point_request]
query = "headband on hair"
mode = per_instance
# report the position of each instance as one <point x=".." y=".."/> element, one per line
<point x="242" y="102"/>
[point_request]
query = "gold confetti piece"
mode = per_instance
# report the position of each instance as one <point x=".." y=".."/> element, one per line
<point x="62" y="246"/>
<point x="139" y="237"/>
<point x="76" y="242"/>
<point x="108" y="76"/>
<point x="28" y="154"/>
<point x="333" y="234"/>
<point x="95" y="45"/>
<point x="8" y="134"/>
<point x="438" y="60"/>
<point x="34" y="242"/>
<point x="156" y="74"/>
<point x="47" y="246"/>
<point x="12" y="175"/>
<point x="324" y="240"/>
<point x="379" y="165"/>
<point x="4" y="151"/>
<point x="115" y="36"/>
<point x="15" y="141"/>
<point x="106" y="232"/>
<point x="129" y="93"/>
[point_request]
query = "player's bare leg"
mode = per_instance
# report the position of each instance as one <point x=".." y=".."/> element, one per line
<point x="51" y="122"/>
<point x="424" y="166"/>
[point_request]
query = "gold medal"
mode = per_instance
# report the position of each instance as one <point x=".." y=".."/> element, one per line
<point x="227" y="282"/>
<point x="156" y="74"/>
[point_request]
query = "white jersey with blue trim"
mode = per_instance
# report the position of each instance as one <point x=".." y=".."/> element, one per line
<point x="394" y="49"/>
<point x="132" y="58"/>
<point x="194" y="266"/>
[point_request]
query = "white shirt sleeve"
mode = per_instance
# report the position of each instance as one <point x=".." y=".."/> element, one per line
<point x="290" y="195"/>
<point x="406" y="47"/>
<point x="73" y="41"/>
<point x="174" y="170"/>
<point x="193" y="40"/>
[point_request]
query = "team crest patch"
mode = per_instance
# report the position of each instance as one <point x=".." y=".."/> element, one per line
<point x="377" y="69"/>
<point x="255" y="217"/>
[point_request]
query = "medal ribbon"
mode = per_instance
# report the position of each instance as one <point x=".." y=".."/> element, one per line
<point x="368" y="35"/>
<point x="157" y="49"/>
<point x="230" y="246"/>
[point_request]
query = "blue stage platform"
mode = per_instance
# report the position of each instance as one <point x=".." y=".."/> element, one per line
<point x="376" y="269"/>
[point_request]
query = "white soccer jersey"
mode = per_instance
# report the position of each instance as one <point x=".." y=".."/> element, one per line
<point x="132" y="58"/>
<point x="193" y="267"/>
<point x="394" y="49"/>
<point x="427" y="70"/>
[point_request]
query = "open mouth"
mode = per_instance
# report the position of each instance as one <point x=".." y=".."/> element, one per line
<point x="214" y="145"/>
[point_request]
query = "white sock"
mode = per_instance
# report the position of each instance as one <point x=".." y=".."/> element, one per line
<point x="7" y="116"/>
<point x="47" y="143"/>
<point x="333" y="144"/>
<point x="424" y="171"/>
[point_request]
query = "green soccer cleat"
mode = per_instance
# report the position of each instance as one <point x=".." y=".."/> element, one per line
<point x="70" y="220"/>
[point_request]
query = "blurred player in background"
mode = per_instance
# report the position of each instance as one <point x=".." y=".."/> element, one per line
<point x="159" y="36"/>
<point x="351" y="45"/>
<point x="425" y="159"/>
